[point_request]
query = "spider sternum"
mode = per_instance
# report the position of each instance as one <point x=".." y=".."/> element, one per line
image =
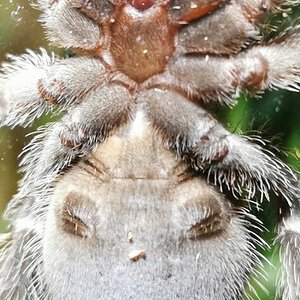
<point x="141" y="41"/>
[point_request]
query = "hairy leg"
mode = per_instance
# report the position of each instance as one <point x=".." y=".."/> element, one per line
<point x="67" y="26"/>
<point x="273" y="65"/>
<point x="207" y="36"/>
<point x="289" y="237"/>
<point x="33" y="83"/>
<point x="229" y="159"/>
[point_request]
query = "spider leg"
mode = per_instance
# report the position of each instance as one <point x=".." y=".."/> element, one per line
<point x="75" y="24"/>
<point x="255" y="10"/>
<point x="289" y="237"/>
<point x="34" y="83"/>
<point x="91" y="122"/>
<point x="207" y="36"/>
<point x="227" y="31"/>
<point x="19" y="249"/>
<point x="229" y="159"/>
<point x="275" y="65"/>
<point x="189" y="10"/>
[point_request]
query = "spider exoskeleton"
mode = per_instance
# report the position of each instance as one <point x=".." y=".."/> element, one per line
<point x="134" y="90"/>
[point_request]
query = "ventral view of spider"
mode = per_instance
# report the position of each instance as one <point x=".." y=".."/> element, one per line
<point x="138" y="192"/>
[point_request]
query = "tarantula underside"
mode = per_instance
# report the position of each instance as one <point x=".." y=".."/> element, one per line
<point x="140" y="147"/>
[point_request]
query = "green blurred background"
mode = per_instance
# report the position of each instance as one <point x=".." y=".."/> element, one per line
<point x="276" y="116"/>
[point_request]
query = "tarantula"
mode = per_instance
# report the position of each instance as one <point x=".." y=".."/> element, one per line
<point x="134" y="193"/>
